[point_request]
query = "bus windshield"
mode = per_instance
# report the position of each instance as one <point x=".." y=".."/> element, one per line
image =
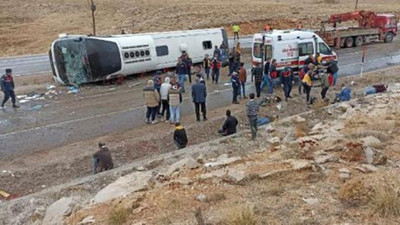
<point x="70" y="60"/>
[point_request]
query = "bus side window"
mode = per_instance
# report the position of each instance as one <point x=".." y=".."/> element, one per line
<point x="162" y="50"/>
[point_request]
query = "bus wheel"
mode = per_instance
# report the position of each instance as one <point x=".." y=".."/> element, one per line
<point x="358" y="41"/>
<point x="348" y="43"/>
<point x="389" y="37"/>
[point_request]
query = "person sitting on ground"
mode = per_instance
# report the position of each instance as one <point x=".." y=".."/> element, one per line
<point x="344" y="95"/>
<point x="102" y="159"/>
<point x="230" y="124"/>
<point x="180" y="137"/>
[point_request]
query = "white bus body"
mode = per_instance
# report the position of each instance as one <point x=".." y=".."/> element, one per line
<point x="290" y="48"/>
<point x="80" y="59"/>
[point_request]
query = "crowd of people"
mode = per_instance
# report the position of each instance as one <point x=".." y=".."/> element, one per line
<point x="163" y="96"/>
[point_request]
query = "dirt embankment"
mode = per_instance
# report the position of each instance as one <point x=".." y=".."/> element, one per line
<point x="328" y="165"/>
<point x="28" y="27"/>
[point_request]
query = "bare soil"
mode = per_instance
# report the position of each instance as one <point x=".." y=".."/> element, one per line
<point x="28" y="27"/>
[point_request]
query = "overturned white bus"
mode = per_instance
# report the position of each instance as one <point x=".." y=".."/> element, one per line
<point x="78" y="59"/>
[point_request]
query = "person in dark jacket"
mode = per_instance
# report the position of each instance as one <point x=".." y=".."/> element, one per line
<point x="272" y="75"/>
<point x="287" y="81"/>
<point x="207" y="65"/>
<point x="217" y="52"/>
<point x="157" y="85"/>
<point x="333" y="69"/>
<point x="235" y="87"/>
<point x="181" y="70"/>
<point x="242" y="79"/>
<point x="199" y="94"/>
<point x="180" y="137"/>
<point x="257" y="73"/>
<point x="230" y="124"/>
<point x="102" y="159"/>
<point x="215" y="68"/>
<point x="188" y="62"/>
<point x="266" y="72"/>
<point x="7" y="87"/>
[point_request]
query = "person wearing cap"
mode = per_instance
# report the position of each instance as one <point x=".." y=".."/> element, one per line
<point x="287" y="81"/>
<point x="102" y="159"/>
<point x="7" y="87"/>
<point x="235" y="87"/>
<point x="174" y="101"/>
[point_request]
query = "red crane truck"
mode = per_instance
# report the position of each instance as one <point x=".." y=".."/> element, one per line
<point x="371" y="27"/>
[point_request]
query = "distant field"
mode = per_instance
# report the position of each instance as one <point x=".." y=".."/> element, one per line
<point x="28" y="27"/>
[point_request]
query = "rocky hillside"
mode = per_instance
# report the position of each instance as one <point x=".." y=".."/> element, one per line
<point x="331" y="165"/>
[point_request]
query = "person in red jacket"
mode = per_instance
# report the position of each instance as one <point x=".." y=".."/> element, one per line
<point x="215" y="67"/>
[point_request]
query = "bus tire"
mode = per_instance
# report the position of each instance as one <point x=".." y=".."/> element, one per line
<point x="389" y="37"/>
<point x="348" y="43"/>
<point x="358" y="41"/>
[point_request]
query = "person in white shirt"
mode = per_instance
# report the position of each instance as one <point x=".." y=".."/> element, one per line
<point x="164" y="98"/>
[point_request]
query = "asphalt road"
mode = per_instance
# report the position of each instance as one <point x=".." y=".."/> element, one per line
<point x="349" y="59"/>
<point x="33" y="131"/>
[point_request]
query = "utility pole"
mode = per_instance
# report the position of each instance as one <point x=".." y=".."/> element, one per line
<point x="356" y="5"/>
<point x="93" y="8"/>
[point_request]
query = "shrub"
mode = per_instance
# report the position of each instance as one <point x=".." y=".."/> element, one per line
<point x="385" y="200"/>
<point x="118" y="216"/>
<point x="240" y="216"/>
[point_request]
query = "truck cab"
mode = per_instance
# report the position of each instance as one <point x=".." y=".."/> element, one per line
<point x="387" y="24"/>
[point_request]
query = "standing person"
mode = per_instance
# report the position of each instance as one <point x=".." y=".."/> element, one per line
<point x="242" y="79"/>
<point x="224" y="50"/>
<point x="7" y="87"/>
<point x="236" y="60"/>
<point x="174" y="101"/>
<point x="307" y="82"/>
<point x="164" y="97"/>
<point x="235" y="87"/>
<point x="207" y="65"/>
<point x="252" y="108"/>
<point x="180" y="137"/>
<point x="217" y="52"/>
<point x="181" y="70"/>
<point x="188" y="62"/>
<point x="257" y="73"/>
<point x="157" y="85"/>
<point x="231" y="61"/>
<point x="266" y="73"/>
<point x="236" y="29"/>
<point x="324" y="78"/>
<point x="272" y="75"/>
<point x="302" y="72"/>
<point x="152" y="99"/>
<point x="215" y="67"/>
<point x="199" y="95"/>
<point x="102" y="159"/>
<point x="333" y="69"/>
<point x="287" y="81"/>
<point x="230" y="124"/>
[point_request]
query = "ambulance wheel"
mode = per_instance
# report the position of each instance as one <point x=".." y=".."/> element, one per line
<point x="358" y="41"/>
<point x="348" y="43"/>
<point x="389" y="37"/>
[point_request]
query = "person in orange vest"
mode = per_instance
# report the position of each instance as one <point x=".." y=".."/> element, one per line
<point x="300" y="25"/>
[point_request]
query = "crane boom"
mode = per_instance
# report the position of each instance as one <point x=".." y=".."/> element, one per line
<point x="366" y="19"/>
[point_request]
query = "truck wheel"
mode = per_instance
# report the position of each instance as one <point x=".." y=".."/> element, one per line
<point x="389" y="37"/>
<point x="348" y="43"/>
<point x="358" y="41"/>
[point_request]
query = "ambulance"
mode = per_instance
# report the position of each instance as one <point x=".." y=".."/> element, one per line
<point x="290" y="48"/>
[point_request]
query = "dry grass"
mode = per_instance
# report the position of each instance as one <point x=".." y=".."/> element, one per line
<point x="241" y="215"/>
<point x="385" y="199"/>
<point x="379" y="192"/>
<point x="118" y="216"/>
<point x="216" y="197"/>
